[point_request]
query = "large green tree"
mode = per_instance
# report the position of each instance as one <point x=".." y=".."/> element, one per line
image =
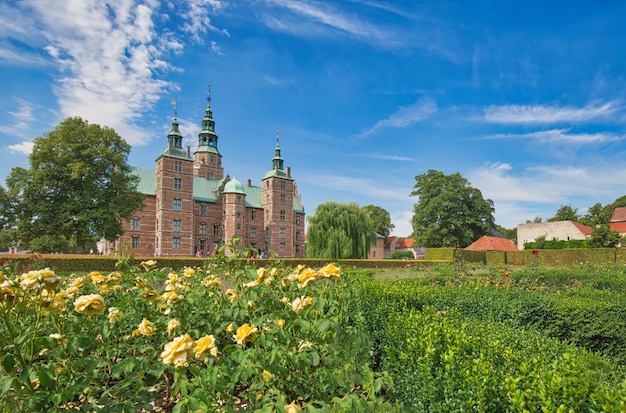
<point x="381" y="220"/>
<point x="449" y="212"/>
<point x="338" y="231"/>
<point x="565" y="213"/>
<point x="79" y="185"/>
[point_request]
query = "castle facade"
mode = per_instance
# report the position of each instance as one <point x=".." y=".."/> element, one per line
<point x="190" y="207"/>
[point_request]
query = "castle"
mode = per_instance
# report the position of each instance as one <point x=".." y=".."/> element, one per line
<point x="190" y="207"/>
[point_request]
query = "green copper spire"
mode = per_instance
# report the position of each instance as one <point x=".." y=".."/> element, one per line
<point x="174" y="138"/>
<point x="277" y="161"/>
<point x="207" y="138"/>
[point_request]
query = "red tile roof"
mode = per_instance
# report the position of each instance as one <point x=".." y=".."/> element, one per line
<point x="405" y="243"/>
<point x="487" y="243"/>
<point x="584" y="229"/>
<point x="619" y="214"/>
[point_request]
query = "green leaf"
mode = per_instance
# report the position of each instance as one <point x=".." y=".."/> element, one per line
<point x="45" y="378"/>
<point x="322" y="325"/>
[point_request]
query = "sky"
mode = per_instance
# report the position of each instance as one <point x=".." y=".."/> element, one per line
<point x="525" y="99"/>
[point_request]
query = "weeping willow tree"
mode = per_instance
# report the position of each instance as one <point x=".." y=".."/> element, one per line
<point x="339" y="231"/>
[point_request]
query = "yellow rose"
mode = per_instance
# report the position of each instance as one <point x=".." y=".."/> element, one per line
<point x="78" y="282"/>
<point x="71" y="291"/>
<point x="292" y="408"/>
<point x="210" y="280"/>
<point x="114" y="314"/>
<point x="172" y="326"/>
<point x="267" y="376"/>
<point x="173" y="277"/>
<point x="231" y="294"/>
<point x="205" y="345"/>
<point x="89" y="304"/>
<point x="330" y="271"/>
<point x="306" y="277"/>
<point x="115" y="277"/>
<point x="30" y="280"/>
<point x="141" y="282"/>
<point x="148" y="264"/>
<point x="170" y="296"/>
<point x="301" y="303"/>
<point x="151" y="295"/>
<point x="280" y="323"/>
<point x="97" y="278"/>
<point x="57" y="303"/>
<point x="177" y="351"/>
<point x="244" y="334"/>
<point x="230" y="328"/>
<point x="48" y="276"/>
<point x="146" y="327"/>
<point x="189" y="272"/>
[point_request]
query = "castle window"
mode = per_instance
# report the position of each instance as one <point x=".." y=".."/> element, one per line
<point x="202" y="244"/>
<point x="216" y="229"/>
<point x="282" y="199"/>
<point x="202" y="209"/>
<point x="238" y="226"/>
<point x="238" y="215"/>
<point x="203" y="228"/>
<point x="178" y="203"/>
<point x="282" y="232"/>
<point x="298" y="219"/>
<point x="176" y="225"/>
<point x="212" y="159"/>
<point x="178" y="166"/>
<point x="253" y="214"/>
<point x="282" y="215"/>
<point x="238" y="199"/>
<point x="282" y="247"/>
<point x="297" y="235"/>
<point x="134" y="224"/>
<point x="176" y="243"/>
<point x="178" y="183"/>
<point x="253" y="232"/>
<point x="134" y="242"/>
<point x="297" y="248"/>
<point x="267" y="184"/>
<point x="282" y="184"/>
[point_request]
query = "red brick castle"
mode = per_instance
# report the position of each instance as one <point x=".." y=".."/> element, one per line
<point x="190" y="207"/>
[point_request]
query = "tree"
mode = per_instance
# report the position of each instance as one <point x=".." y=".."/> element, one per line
<point x="593" y="217"/>
<point x="565" y="213"/>
<point x="381" y="220"/>
<point x="78" y="187"/>
<point x="603" y="237"/>
<point x="449" y="212"/>
<point x="536" y="220"/>
<point x="339" y="231"/>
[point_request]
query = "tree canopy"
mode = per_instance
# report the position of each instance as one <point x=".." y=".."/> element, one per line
<point x="565" y="213"/>
<point x="449" y="212"/>
<point x="78" y="187"/>
<point x="338" y="231"/>
<point x="381" y="220"/>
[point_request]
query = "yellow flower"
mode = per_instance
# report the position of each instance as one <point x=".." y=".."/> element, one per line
<point x="48" y="276"/>
<point x="301" y="303"/>
<point x="210" y="280"/>
<point x="71" y="291"/>
<point x="205" y="345"/>
<point x="114" y="314"/>
<point x="293" y="408"/>
<point x="170" y="296"/>
<point x="6" y="290"/>
<point x="78" y="282"/>
<point x="330" y="271"/>
<point x="267" y="376"/>
<point x="146" y="327"/>
<point x="177" y="351"/>
<point x="30" y="280"/>
<point x="97" y="278"/>
<point x="89" y="304"/>
<point x="189" y="272"/>
<point x="147" y="265"/>
<point x="230" y="328"/>
<point x="173" y="277"/>
<point x="231" y="294"/>
<point x="172" y="326"/>
<point x="280" y="323"/>
<point x="244" y="334"/>
<point x="306" y="277"/>
<point x="57" y="303"/>
<point x="141" y="282"/>
<point x="261" y="274"/>
<point x="251" y="284"/>
<point x="115" y="277"/>
<point x="151" y="295"/>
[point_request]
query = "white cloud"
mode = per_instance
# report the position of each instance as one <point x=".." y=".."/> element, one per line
<point x="22" y="119"/>
<point x="562" y="136"/>
<point x="406" y="116"/>
<point x="544" y="114"/>
<point x="25" y="147"/>
<point x="326" y="16"/>
<point x="388" y="157"/>
<point x="402" y="222"/>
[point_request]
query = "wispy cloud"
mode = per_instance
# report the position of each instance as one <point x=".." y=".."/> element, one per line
<point x="325" y="15"/>
<point x="110" y="56"/>
<point x="544" y="114"/>
<point x="388" y="157"/>
<point x="21" y="120"/>
<point x="562" y="136"/>
<point x="25" y="147"/>
<point x="406" y="116"/>
<point x="350" y="185"/>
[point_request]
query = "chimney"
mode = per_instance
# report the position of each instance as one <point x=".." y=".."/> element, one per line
<point x="249" y="182"/>
<point x="189" y="151"/>
<point x="289" y="171"/>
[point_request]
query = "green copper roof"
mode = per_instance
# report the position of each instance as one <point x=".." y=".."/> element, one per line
<point x="234" y="187"/>
<point x="175" y="153"/>
<point x="207" y="149"/>
<point x="277" y="173"/>
<point x="146" y="184"/>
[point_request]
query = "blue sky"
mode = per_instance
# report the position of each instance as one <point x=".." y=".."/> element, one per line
<point x="526" y="99"/>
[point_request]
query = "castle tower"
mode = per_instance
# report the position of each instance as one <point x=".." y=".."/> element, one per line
<point x="207" y="159"/>
<point x="277" y="197"/>
<point x="235" y="212"/>
<point x="174" y="197"/>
